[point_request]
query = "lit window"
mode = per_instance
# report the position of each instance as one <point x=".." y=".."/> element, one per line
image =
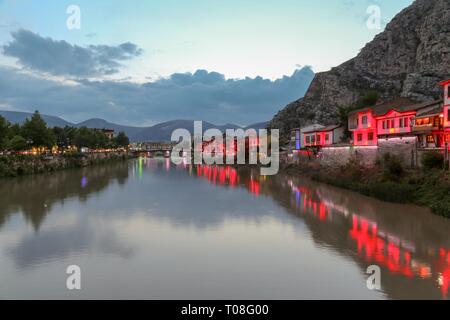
<point x="430" y="139"/>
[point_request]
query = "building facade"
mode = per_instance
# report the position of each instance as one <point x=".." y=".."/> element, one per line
<point x="323" y="137"/>
<point x="428" y="124"/>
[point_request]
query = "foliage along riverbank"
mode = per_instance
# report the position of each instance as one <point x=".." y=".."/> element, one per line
<point x="18" y="165"/>
<point x="387" y="181"/>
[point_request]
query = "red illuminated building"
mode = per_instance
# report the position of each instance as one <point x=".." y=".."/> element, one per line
<point x="427" y="122"/>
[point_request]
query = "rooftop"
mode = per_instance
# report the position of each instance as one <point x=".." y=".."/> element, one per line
<point x="325" y="129"/>
<point x="400" y="105"/>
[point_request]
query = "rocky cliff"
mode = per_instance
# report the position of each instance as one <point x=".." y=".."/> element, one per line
<point x="408" y="59"/>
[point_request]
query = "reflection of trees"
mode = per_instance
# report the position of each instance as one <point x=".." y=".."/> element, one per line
<point x="34" y="196"/>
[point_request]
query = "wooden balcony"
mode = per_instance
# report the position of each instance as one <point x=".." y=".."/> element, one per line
<point x="425" y="128"/>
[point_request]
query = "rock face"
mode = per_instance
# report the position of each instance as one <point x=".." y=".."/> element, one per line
<point x="408" y="59"/>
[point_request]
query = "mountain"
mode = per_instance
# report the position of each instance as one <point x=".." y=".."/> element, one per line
<point x="407" y="59"/>
<point x="163" y="131"/>
<point x="159" y="132"/>
<point x="257" y="126"/>
<point x="100" y="123"/>
<point x="20" y="117"/>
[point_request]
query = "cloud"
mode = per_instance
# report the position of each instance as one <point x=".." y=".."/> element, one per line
<point x="64" y="59"/>
<point x="197" y="96"/>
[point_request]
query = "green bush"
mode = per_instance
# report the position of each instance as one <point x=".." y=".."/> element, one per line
<point x="441" y="208"/>
<point x="393" y="168"/>
<point x="432" y="160"/>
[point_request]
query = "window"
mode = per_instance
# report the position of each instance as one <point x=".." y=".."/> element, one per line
<point x="318" y="139"/>
<point x="448" y="114"/>
<point x="313" y="139"/>
<point x="384" y="124"/>
<point x="392" y="123"/>
<point x="364" y="120"/>
<point x="401" y="122"/>
<point x="360" y="136"/>
<point x="308" y="139"/>
<point x="430" y="139"/>
<point x="327" y="137"/>
<point x="370" y="136"/>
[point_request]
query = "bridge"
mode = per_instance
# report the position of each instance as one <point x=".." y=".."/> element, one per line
<point x="152" y="149"/>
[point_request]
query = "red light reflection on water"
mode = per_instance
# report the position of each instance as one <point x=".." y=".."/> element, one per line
<point x="219" y="175"/>
<point x="375" y="248"/>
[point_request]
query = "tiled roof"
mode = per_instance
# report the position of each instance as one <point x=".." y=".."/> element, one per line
<point x="328" y="128"/>
<point x="431" y="110"/>
<point x="400" y="105"/>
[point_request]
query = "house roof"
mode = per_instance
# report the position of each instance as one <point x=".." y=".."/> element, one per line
<point x="325" y="129"/>
<point x="400" y="105"/>
<point x="309" y="128"/>
<point x="432" y="109"/>
<point x="444" y="83"/>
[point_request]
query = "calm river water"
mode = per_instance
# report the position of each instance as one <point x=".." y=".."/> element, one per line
<point x="146" y="229"/>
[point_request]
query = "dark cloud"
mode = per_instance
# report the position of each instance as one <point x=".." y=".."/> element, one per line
<point x="62" y="58"/>
<point x="199" y="96"/>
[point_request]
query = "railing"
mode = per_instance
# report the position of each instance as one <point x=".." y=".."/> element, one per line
<point x="426" y="127"/>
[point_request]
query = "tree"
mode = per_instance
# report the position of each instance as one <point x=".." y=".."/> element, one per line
<point x="35" y="130"/>
<point x="4" y="126"/>
<point x="18" y="143"/>
<point x="122" y="140"/>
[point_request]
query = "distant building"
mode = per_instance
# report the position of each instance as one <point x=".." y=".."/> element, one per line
<point x="107" y="132"/>
<point x="296" y="142"/>
<point x="323" y="137"/>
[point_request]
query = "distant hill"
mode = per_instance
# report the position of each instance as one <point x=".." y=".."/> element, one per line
<point x="159" y="132"/>
<point x="100" y="123"/>
<point x="20" y="117"/>
<point x="257" y="126"/>
<point x="163" y="131"/>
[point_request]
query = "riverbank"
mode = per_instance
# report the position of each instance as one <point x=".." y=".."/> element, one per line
<point x="19" y="165"/>
<point x="387" y="182"/>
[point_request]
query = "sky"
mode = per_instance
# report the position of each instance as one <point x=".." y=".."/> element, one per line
<point x="145" y="61"/>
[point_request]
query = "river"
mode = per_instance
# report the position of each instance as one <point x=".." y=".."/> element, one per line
<point x="145" y="229"/>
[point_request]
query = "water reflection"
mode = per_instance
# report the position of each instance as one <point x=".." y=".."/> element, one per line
<point x="99" y="211"/>
<point x="407" y="241"/>
<point x="35" y="196"/>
